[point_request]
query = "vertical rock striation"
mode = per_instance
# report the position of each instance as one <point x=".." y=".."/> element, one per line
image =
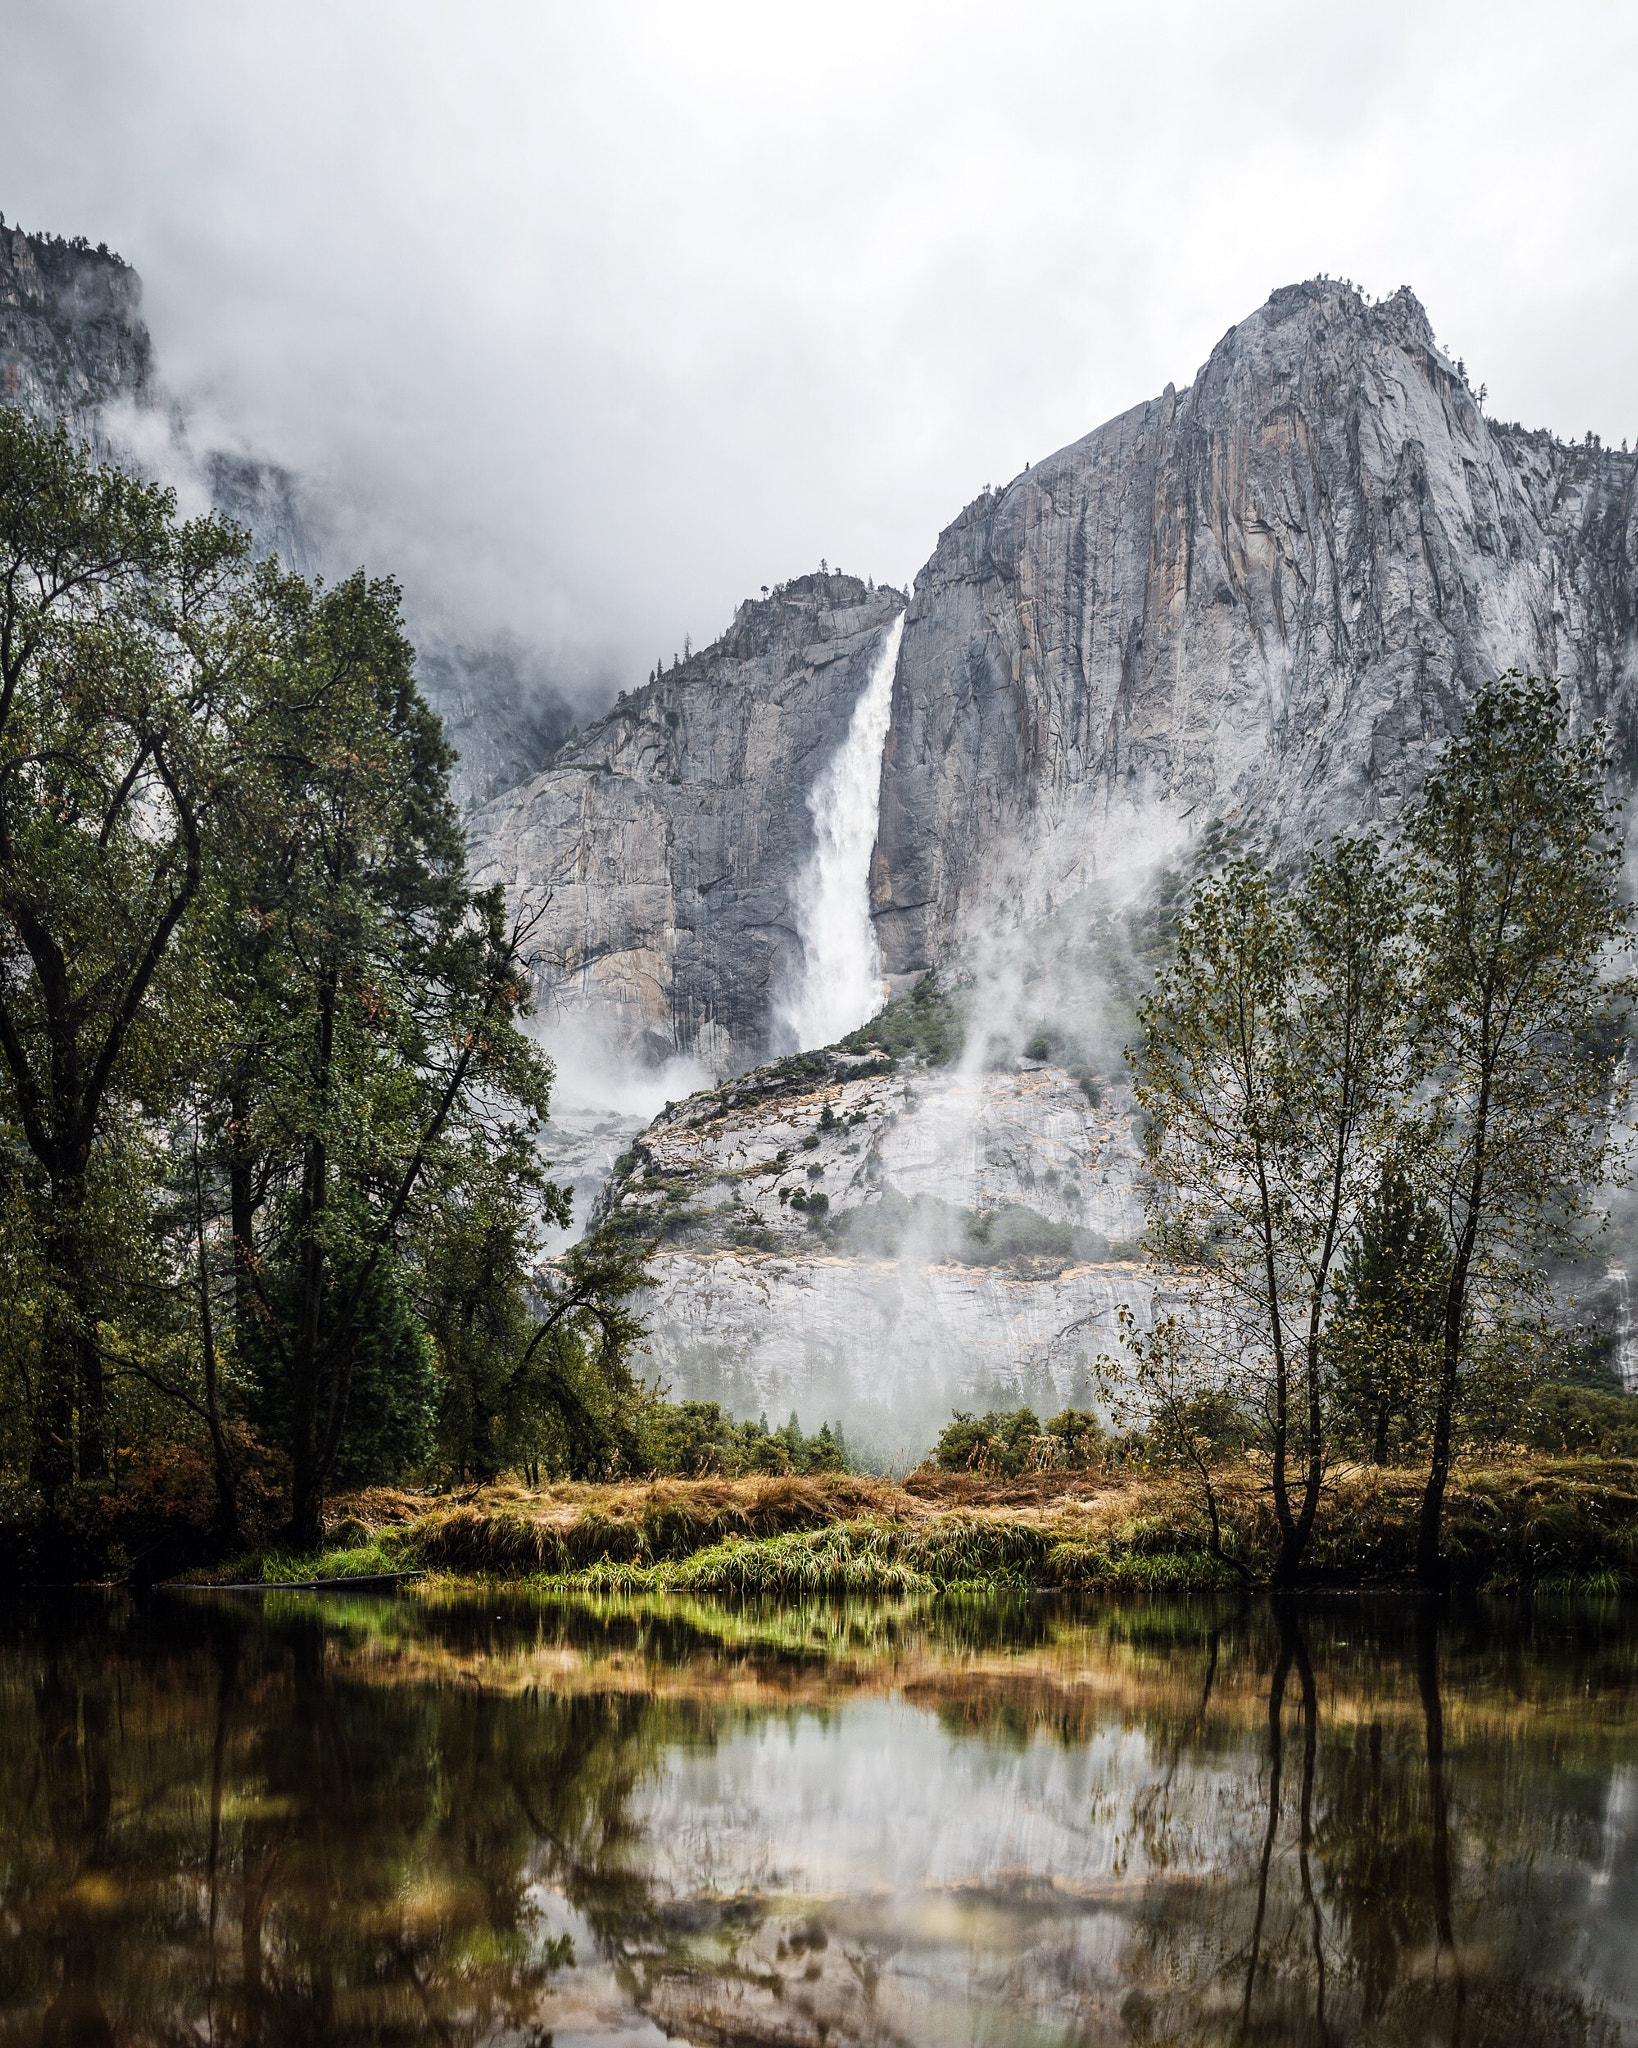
<point x="72" y="338"/>
<point x="662" y="848"/>
<point x="1260" y="598"/>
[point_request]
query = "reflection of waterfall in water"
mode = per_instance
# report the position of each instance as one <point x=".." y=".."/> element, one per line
<point x="839" y="983"/>
<point x="1626" y="1350"/>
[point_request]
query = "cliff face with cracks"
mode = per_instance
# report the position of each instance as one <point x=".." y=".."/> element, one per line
<point x="72" y="338"/>
<point x="662" y="848"/>
<point x="1260" y="598"/>
<point x="849" y="1235"/>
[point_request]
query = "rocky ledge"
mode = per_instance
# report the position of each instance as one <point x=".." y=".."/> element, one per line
<point x="887" y="1234"/>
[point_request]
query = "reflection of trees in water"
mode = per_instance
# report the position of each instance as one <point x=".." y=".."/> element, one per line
<point x="237" y="1841"/>
<point x="1344" y="1916"/>
<point x="284" y="1832"/>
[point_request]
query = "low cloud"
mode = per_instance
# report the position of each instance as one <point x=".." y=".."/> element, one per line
<point x="586" y="322"/>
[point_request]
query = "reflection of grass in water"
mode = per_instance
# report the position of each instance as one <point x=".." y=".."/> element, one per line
<point x="826" y="1629"/>
<point x="1559" y="1525"/>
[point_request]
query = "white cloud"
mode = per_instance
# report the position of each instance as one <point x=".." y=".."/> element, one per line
<point x="594" y="319"/>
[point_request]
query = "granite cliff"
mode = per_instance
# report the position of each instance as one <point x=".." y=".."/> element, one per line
<point x="884" y="1236"/>
<point x="1257" y="599"/>
<point x="72" y="338"/>
<point x="662" y="848"/>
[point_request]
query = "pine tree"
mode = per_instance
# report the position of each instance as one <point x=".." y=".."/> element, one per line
<point x="1384" y="1341"/>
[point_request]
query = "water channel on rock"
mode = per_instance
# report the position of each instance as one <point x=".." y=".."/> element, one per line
<point x="284" y="1819"/>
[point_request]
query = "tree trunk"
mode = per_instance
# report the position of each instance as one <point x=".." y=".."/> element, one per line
<point x="306" y="1479"/>
<point x="242" y="1222"/>
<point x="70" y="1365"/>
<point x="1430" y="1567"/>
<point x="1294" y="1537"/>
<point x="306" y="1466"/>
<point x="1282" y="1389"/>
<point x="227" y="1488"/>
<point x="51" y="1467"/>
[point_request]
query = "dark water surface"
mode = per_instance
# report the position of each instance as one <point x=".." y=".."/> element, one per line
<point x="287" y="1820"/>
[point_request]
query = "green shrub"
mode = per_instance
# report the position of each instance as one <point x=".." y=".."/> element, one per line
<point x="923" y="1028"/>
<point x="1576" y="1421"/>
<point x="995" y="1444"/>
<point x="692" y="1439"/>
<point x="1008" y="1441"/>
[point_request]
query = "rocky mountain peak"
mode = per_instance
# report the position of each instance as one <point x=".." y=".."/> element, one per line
<point x="72" y="337"/>
<point x="1261" y="598"/>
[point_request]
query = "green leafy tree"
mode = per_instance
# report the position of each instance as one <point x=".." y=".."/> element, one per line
<point x="127" y="647"/>
<point x="369" y="1004"/>
<point x="1271" y="1067"/>
<point x="1384" y="1341"/>
<point x="534" y="1358"/>
<point x="1516" y="852"/>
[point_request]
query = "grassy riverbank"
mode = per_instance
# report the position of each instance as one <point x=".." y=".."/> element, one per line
<point x="1527" y="1524"/>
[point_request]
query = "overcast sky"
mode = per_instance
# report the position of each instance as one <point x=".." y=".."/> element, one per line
<point x="593" y="318"/>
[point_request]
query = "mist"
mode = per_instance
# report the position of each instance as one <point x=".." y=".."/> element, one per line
<point x="585" y="323"/>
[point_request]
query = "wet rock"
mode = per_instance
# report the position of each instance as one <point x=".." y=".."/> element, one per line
<point x="662" y="848"/>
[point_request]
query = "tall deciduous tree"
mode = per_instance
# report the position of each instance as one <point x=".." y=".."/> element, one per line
<point x="1272" y="1063"/>
<point x="374" y="999"/>
<point x="1516" y="854"/>
<point x="124" y="651"/>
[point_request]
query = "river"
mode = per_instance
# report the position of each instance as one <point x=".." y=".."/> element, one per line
<point x="286" y="1820"/>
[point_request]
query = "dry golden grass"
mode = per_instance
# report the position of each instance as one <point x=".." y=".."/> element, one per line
<point x="1510" y="1524"/>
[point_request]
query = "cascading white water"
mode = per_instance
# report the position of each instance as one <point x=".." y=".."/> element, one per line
<point x="1626" y="1349"/>
<point x="839" y="981"/>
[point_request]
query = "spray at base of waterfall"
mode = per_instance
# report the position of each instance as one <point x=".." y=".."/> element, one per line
<point x="838" y="985"/>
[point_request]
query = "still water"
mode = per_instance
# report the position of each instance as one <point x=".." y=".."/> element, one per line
<point x="287" y="1820"/>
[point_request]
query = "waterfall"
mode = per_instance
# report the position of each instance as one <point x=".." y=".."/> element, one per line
<point x="1626" y="1362"/>
<point x="838" y="984"/>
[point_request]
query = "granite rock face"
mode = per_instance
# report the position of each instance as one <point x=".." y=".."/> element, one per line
<point x="662" y="847"/>
<point x="72" y="337"/>
<point x="503" y="712"/>
<point x="880" y="1243"/>
<point x="1259" y="599"/>
<point x="743" y="1164"/>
